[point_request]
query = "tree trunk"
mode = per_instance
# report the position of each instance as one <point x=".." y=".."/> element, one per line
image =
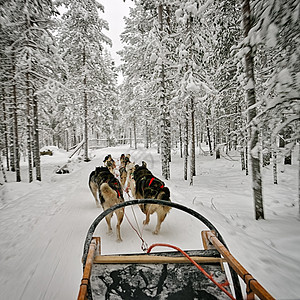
<point x="208" y="137"/>
<point x="246" y="159"/>
<point x="5" y="129"/>
<point x="193" y="148"/>
<point x="299" y="179"/>
<point x="134" y="133"/>
<point x="180" y="139"/>
<point x="85" y="107"/>
<point x="15" y="123"/>
<point x="186" y="144"/>
<point x="254" y="134"/>
<point x="29" y="127"/>
<point x="3" y="170"/>
<point x="36" y="137"/>
<point x="217" y="140"/>
<point x="11" y="140"/>
<point x="165" y="147"/>
<point x="193" y="139"/>
<point x="242" y="154"/>
<point x="130" y="137"/>
<point x="146" y="135"/>
<point x="275" y="180"/>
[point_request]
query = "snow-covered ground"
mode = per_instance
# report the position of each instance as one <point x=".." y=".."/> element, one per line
<point x="43" y="224"/>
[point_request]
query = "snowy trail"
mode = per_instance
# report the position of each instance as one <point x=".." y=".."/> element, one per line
<point x="43" y="226"/>
<point x="49" y="263"/>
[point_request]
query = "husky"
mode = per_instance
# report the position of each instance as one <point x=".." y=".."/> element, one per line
<point x="129" y="183"/>
<point x="110" y="163"/>
<point x="103" y="183"/>
<point x="124" y="160"/>
<point x="147" y="186"/>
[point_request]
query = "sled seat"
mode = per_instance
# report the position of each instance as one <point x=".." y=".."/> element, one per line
<point x="163" y="275"/>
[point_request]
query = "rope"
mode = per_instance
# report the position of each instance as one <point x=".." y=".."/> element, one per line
<point x="144" y="245"/>
<point x="195" y="264"/>
<point x="139" y="233"/>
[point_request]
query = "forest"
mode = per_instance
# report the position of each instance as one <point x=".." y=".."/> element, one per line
<point x="225" y="73"/>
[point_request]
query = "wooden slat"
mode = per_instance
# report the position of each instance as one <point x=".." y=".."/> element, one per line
<point x="206" y="244"/>
<point x="252" y="284"/>
<point x="88" y="268"/>
<point x="151" y="259"/>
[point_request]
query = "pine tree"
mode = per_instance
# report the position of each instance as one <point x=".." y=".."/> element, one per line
<point x="81" y="40"/>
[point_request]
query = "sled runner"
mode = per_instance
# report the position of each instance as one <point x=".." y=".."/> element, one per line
<point x="195" y="274"/>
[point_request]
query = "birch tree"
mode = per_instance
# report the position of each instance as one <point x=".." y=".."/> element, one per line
<point x="251" y="100"/>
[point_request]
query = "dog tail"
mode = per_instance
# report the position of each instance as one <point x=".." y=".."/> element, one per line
<point x="107" y="192"/>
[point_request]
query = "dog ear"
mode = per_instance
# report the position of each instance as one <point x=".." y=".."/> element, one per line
<point x="144" y="164"/>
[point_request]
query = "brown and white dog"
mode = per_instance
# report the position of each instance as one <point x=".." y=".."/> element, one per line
<point x="110" y="163"/>
<point x="103" y="183"/>
<point x="130" y="183"/>
<point x="124" y="160"/>
<point x="146" y="186"/>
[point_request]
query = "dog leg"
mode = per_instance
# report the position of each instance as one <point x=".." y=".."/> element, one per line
<point x="108" y="221"/>
<point x="160" y="218"/>
<point x="120" y="214"/>
<point x="94" y="190"/>
<point x="147" y="220"/>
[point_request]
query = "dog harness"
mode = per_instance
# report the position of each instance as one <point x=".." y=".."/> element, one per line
<point x="151" y="180"/>
<point x="117" y="190"/>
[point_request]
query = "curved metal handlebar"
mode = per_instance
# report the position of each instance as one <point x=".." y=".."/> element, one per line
<point x="190" y="211"/>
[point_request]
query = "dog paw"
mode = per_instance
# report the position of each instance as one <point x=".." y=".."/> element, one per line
<point x="145" y="222"/>
<point x="156" y="232"/>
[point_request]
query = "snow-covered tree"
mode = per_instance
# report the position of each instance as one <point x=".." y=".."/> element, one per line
<point x="81" y="42"/>
<point x="27" y="27"/>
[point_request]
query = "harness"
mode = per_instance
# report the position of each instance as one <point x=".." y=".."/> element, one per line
<point x="117" y="190"/>
<point x="149" y="185"/>
<point x="151" y="180"/>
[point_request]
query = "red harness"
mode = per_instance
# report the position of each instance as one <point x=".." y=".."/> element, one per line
<point x="118" y="192"/>
<point x="151" y="180"/>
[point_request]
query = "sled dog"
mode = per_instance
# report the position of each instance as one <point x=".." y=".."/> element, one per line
<point x="103" y="183"/>
<point x="148" y="186"/>
<point x="124" y="160"/>
<point x="130" y="183"/>
<point x="110" y="163"/>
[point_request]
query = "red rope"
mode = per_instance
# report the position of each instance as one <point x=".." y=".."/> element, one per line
<point x="195" y="264"/>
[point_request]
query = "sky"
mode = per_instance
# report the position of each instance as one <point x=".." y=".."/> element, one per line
<point x="43" y="225"/>
<point x="114" y="11"/>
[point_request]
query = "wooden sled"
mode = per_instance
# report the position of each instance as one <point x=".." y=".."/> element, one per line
<point x="165" y="275"/>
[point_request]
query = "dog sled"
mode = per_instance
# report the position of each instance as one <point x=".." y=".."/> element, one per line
<point x="194" y="274"/>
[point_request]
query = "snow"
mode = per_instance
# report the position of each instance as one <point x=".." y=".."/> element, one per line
<point x="43" y="224"/>
<point x="271" y="39"/>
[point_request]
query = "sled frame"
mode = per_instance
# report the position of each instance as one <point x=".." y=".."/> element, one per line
<point x="212" y="239"/>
